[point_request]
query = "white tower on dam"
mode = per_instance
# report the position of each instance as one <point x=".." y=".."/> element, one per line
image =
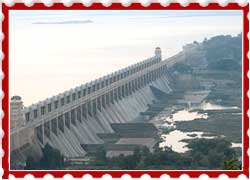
<point x="16" y="112"/>
<point x="158" y="52"/>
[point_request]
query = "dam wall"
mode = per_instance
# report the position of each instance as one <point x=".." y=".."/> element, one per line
<point x="76" y="116"/>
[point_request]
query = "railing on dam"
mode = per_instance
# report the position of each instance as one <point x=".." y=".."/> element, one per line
<point x="87" y="90"/>
<point x="63" y="110"/>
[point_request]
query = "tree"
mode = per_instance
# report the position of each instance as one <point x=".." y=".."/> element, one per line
<point x="145" y="151"/>
<point x="210" y="153"/>
<point x="224" y="65"/>
<point x="130" y="162"/>
<point x="30" y="163"/>
<point x="224" y="47"/>
<point x="203" y="154"/>
<point x="182" y="68"/>
<point x="137" y="153"/>
<point x="232" y="164"/>
<point x="51" y="159"/>
<point x="100" y="156"/>
<point x="195" y="42"/>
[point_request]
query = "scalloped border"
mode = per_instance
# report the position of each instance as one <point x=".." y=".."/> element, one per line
<point x="120" y="173"/>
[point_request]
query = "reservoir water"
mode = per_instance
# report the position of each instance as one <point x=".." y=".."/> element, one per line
<point x="186" y="115"/>
<point x="174" y="138"/>
<point x="209" y="106"/>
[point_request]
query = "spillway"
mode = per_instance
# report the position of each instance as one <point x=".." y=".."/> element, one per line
<point x="77" y="116"/>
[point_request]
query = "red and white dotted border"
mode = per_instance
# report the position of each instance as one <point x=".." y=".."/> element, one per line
<point x="123" y="3"/>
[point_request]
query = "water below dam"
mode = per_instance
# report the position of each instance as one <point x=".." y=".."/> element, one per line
<point x="166" y="120"/>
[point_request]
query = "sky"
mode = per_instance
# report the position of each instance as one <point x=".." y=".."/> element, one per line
<point x="54" y="51"/>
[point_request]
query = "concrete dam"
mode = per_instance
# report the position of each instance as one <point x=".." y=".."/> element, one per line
<point x="77" y="116"/>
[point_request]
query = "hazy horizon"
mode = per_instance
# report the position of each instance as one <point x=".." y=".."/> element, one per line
<point x="54" y="51"/>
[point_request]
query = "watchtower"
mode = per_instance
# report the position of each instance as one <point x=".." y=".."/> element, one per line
<point x="158" y="52"/>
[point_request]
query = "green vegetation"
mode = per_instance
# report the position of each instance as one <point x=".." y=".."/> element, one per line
<point x="213" y="75"/>
<point x="203" y="154"/>
<point x="100" y="156"/>
<point x="167" y="130"/>
<point x="224" y="65"/>
<point x="211" y="153"/>
<point x="232" y="164"/>
<point x="51" y="159"/>
<point x="224" y="59"/>
<point x="30" y="163"/>
<point x="224" y="47"/>
<point x="182" y="68"/>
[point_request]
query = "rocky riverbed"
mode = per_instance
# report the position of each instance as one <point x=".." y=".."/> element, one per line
<point x="204" y="120"/>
